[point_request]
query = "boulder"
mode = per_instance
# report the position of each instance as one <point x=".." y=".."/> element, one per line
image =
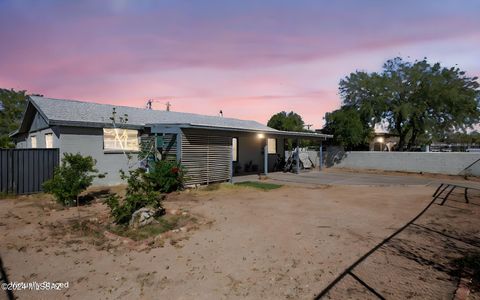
<point x="144" y="216"/>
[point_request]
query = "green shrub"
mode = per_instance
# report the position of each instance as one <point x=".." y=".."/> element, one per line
<point x="140" y="193"/>
<point x="74" y="175"/>
<point x="166" y="176"/>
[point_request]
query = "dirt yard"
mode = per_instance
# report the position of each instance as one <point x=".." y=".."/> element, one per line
<point x="287" y="243"/>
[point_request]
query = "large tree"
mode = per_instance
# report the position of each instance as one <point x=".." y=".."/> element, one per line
<point x="12" y="105"/>
<point x="287" y="121"/>
<point x="418" y="100"/>
<point x="347" y="128"/>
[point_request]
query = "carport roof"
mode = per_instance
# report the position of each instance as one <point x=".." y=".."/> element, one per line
<point x="157" y="128"/>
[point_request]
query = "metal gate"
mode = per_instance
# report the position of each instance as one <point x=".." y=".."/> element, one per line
<point x="23" y="171"/>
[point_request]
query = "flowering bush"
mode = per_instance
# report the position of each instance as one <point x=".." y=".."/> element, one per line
<point x="166" y="176"/>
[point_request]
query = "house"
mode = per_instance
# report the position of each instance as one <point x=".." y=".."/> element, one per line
<point x="383" y="139"/>
<point x="211" y="148"/>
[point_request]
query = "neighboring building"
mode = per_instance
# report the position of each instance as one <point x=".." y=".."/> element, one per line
<point x="211" y="148"/>
<point x="383" y="140"/>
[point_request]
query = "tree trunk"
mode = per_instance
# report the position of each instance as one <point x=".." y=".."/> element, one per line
<point x="401" y="142"/>
<point x="401" y="134"/>
<point x="412" y="140"/>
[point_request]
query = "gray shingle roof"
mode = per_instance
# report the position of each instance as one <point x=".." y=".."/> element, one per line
<point x="59" y="111"/>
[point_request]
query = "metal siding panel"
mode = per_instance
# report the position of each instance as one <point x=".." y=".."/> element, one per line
<point x="206" y="158"/>
<point x="30" y="171"/>
<point x="4" y="180"/>
<point x="20" y="172"/>
<point x="44" y="167"/>
<point x="36" y="171"/>
<point x="24" y="170"/>
<point x="14" y="172"/>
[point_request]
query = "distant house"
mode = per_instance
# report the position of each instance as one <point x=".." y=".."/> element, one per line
<point x="383" y="140"/>
<point x="211" y="148"/>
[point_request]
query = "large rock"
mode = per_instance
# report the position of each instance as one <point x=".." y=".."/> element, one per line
<point x="143" y="216"/>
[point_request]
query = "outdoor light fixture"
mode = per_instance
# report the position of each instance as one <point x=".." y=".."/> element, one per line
<point x="260" y="135"/>
<point x="380" y="140"/>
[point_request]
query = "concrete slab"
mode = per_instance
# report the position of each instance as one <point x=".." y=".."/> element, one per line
<point x="351" y="178"/>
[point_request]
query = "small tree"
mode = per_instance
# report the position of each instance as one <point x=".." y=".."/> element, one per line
<point x="139" y="194"/>
<point x="74" y="175"/>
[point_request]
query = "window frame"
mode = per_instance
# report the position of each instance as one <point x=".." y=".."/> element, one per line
<point x="268" y="145"/>
<point x="120" y="150"/>
<point x="50" y="135"/>
<point x="235" y="159"/>
<point x="33" y="138"/>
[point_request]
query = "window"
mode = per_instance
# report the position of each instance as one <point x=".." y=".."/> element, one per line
<point x="272" y="146"/>
<point x="117" y="139"/>
<point x="48" y="140"/>
<point x="33" y="140"/>
<point x="234" y="149"/>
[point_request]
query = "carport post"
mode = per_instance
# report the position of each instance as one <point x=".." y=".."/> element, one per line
<point x="320" y="160"/>
<point x="265" y="157"/>
<point x="297" y="157"/>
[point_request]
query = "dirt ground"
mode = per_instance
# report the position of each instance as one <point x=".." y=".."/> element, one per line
<point x="287" y="243"/>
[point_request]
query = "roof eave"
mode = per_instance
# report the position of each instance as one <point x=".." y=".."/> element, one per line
<point x="13" y="134"/>
<point x="270" y="131"/>
<point x="93" y="124"/>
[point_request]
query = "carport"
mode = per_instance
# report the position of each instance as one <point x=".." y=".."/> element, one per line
<point x="215" y="154"/>
<point x="297" y="136"/>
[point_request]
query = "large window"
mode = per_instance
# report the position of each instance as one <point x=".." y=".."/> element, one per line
<point x="234" y="149"/>
<point x="117" y="139"/>
<point x="272" y="146"/>
<point x="33" y="141"/>
<point x="48" y="140"/>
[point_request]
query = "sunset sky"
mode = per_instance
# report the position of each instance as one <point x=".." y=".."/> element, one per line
<point x="249" y="58"/>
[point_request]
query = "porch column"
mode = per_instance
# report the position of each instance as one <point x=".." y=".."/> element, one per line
<point x="265" y="157"/>
<point x="179" y="146"/>
<point x="297" y="157"/>
<point x="320" y="162"/>
<point x="231" y="160"/>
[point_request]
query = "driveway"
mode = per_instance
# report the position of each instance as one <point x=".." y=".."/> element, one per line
<point x="343" y="177"/>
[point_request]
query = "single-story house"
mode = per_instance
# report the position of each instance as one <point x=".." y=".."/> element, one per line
<point x="211" y="148"/>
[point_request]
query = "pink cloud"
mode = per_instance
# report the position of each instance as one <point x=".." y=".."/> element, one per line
<point x="249" y="60"/>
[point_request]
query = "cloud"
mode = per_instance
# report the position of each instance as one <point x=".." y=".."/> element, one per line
<point x="252" y="58"/>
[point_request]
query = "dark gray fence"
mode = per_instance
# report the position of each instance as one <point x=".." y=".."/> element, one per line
<point x="22" y="171"/>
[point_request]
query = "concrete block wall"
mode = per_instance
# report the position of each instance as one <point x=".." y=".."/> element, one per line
<point x="450" y="163"/>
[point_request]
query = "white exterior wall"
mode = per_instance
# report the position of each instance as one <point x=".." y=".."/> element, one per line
<point x="450" y="163"/>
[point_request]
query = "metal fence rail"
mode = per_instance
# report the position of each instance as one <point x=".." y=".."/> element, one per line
<point x="22" y="171"/>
